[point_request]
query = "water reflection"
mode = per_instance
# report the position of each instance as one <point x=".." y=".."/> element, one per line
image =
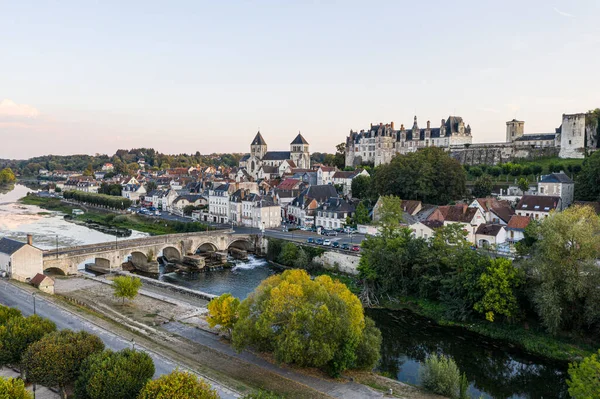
<point x="48" y="228"/>
<point x="493" y="372"/>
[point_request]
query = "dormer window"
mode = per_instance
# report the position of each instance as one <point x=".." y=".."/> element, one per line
<point x="524" y="206"/>
<point x="536" y="207"/>
<point x="547" y="208"/>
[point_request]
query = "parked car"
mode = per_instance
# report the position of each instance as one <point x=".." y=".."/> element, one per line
<point x="310" y="240"/>
<point x="327" y="242"/>
<point x="319" y="241"/>
<point x="156" y="213"/>
<point x="335" y="244"/>
<point x="355" y="248"/>
<point x="345" y="247"/>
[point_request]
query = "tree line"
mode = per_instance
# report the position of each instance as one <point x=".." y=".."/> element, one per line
<point x="98" y="199"/>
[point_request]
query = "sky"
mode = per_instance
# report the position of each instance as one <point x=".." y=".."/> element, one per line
<point x="186" y="76"/>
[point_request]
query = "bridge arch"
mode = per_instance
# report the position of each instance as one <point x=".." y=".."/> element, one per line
<point x="241" y="243"/>
<point x="206" y="247"/>
<point x="171" y="253"/>
<point x="54" y="271"/>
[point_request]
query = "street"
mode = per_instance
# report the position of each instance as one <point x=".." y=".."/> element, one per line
<point x="13" y="296"/>
<point x="302" y="236"/>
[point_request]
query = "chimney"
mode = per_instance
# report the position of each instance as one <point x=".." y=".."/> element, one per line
<point x="29" y="239"/>
<point x="402" y="126"/>
<point x="428" y="125"/>
<point x="392" y="123"/>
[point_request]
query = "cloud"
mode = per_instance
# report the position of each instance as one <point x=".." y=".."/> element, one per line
<point x="564" y="14"/>
<point x="9" y="108"/>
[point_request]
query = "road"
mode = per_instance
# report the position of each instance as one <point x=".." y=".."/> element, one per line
<point x="302" y="236"/>
<point x="13" y="296"/>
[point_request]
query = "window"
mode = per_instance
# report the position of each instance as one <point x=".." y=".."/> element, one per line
<point x="536" y="207"/>
<point x="524" y="206"/>
<point x="546" y="208"/>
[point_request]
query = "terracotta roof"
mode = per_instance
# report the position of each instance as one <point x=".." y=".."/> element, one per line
<point x="491" y="202"/>
<point x="517" y="222"/>
<point x="38" y="278"/>
<point x="489" y="229"/>
<point x="503" y="212"/>
<point x="288" y="184"/>
<point x="458" y="213"/>
<point x="410" y="206"/>
<point x="327" y="168"/>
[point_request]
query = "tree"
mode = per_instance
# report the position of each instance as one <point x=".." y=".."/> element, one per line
<point x="523" y="184"/>
<point x="13" y="388"/>
<point x="178" y="385"/>
<point x="126" y="287"/>
<point x="288" y="254"/>
<point x="311" y="323"/>
<point x="89" y="171"/>
<point x="7" y="176"/>
<point x="583" y="379"/>
<point x="7" y="313"/>
<point x="223" y="311"/>
<point x="587" y="183"/>
<point x="55" y="360"/>
<point x="301" y="261"/>
<point x="361" y="214"/>
<point x="440" y="374"/>
<point x="151" y="185"/>
<point x="495" y="171"/>
<point x="483" y="186"/>
<point x="475" y="171"/>
<point x="389" y="214"/>
<point x="115" y="375"/>
<point x="564" y="271"/>
<point x="499" y="283"/>
<point x="18" y="333"/>
<point x="361" y="187"/>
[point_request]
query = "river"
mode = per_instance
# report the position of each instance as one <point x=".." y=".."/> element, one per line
<point x="494" y="369"/>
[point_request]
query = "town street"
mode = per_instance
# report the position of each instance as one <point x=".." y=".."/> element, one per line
<point x="13" y="296"/>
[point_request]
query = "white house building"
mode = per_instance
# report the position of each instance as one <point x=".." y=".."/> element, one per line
<point x="516" y="228"/>
<point x="344" y="179"/>
<point x="332" y="213"/>
<point x="537" y="206"/>
<point x="133" y="192"/>
<point x="558" y="185"/>
<point x="20" y="260"/>
<point x="490" y="234"/>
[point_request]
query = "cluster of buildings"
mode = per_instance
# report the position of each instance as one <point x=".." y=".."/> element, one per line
<point x="381" y="142"/>
<point x="497" y="222"/>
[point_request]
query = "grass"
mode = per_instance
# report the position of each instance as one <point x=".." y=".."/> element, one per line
<point x="533" y="340"/>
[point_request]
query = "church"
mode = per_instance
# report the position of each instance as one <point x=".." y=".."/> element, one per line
<point x="261" y="162"/>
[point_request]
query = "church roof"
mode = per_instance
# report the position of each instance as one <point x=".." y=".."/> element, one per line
<point x="258" y="140"/>
<point x="299" y="140"/>
<point x="276" y="156"/>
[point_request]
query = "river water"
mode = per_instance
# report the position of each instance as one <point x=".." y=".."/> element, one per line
<point x="494" y="370"/>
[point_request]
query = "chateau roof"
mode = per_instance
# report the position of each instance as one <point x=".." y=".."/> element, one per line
<point x="537" y="137"/>
<point x="258" y="140"/>
<point x="276" y="156"/>
<point x="556" y="178"/>
<point x="299" y="140"/>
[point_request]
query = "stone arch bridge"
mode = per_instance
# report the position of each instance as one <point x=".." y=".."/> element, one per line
<point x="143" y="250"/>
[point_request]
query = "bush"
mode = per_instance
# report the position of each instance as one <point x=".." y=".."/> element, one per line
<point x="13" y="388"/>
<point x="178" y="385"/>
<point x="7" y="313"/>
<point x="440" y="374"/>
<point x="18" y="333"/>
<point x="583" y="379"/>
<point x="126" y="287"/>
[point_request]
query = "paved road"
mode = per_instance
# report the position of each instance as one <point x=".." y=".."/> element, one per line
<point x="21" y="299"/>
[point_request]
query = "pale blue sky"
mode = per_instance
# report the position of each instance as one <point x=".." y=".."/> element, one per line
<point x="91" y="76"/>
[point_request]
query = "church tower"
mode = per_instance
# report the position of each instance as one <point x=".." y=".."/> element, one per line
<point x="514" y="130"/>
<point x="258" y="148"/>
<point x="299" y="152"/>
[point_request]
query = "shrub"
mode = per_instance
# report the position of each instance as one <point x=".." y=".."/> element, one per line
<point x="583" y="379"/>
<point x="126" y="287"/>
<point x="178" y="385"/>
<point x="18" y="333"/>
<point x="7" y="313"/>
<point x="440" y="374"/>
<point x="13" y="388"/>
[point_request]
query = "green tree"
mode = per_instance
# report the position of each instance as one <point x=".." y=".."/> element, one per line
<point x="495" y="171"/>
<point x="13" y="388"/>
<point x="55" y="360"/>
<point x="389" y="214"/>
<point x="224" y="312"/>
<point x="499" y="283"/>
<point x="361" y="214"/>
<point x="440" y="374"/>
<point x="361" y="187"/>
<point x="178" y="385"/>
<point x="89" y="170"/>
<point x="584" y="381"/>
<point x="151" y="185"/>
<point x="311" y="323"/>
<point x="301" y="261"/>
<point x="564" y="271"/>
<point x="587" y="183"/>
<point x="126" y="287"/>
<point x="18" y="333"/>
<point x="7" y="313"/>
<point x="483" y="186"/>
<point x="475" y="171"/>
<point x="523" y="184"/>
<point x="115" y="375"/>
<point x="289" y="253"/>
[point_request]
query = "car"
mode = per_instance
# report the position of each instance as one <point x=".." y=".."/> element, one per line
<point x="319" y="241"/>
<point x="327" y="242"/>
<point x="335" y="244"/>
<point x="345" y="247"/>
<point x="355" y="248"/>
<point x="310" y="240"/>
<point x="156" y="213"/>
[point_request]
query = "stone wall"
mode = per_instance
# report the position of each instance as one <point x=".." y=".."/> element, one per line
<point x="494" y="154"/>
<point x="345" y="263"/>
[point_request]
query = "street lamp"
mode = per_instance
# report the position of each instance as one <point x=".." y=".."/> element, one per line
<point x="33" y="295"/>
<point x="57" y="246"/>
<point x="132" y="343"/>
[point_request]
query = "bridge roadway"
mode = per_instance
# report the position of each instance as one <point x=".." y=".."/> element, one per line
<point x="142" y="252"/>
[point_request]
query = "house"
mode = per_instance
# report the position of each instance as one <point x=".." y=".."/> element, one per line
<point x="302" y="208"/>
<point x="133" y="192"/>
<point x="344" y="179"/>
<point x="260" y="211"/>
<point x="82" y="183"/>
<point x="332" y="213"/>
<point x="490" y="234"/>
<point x="410" y="208"/>
<point x="325" y="174"/>
<point x="494" y="210"/>
<point x="20" y="260"/>
<point x="286" y="167"/>
<point x="558" y="185"/>
<point x="266" y="172"/>
<point x="537" y="206"/>
<point x="425" y="229"/>
<point x="218" y="204"/>
<point x="184" y="200"/>
<point x="516" y="228"/>
<point x="43" y="283"/>
<point x="108" y="167"/>
<point x="470" y="218"/>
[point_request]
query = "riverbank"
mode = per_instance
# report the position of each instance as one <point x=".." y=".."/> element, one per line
<point x="152" y="226"/>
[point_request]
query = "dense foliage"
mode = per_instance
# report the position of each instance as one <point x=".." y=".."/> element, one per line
<point x="109" y="201"/>
<point x="17" y="333"/>
<point x="178" y="385"/>
<point x="587" y="184"/>
<point x="55" y="360"/>
<point x="7" y="176"/>
<point x="13" y="388"/>
<point x="361" y="187"/>
<point x="584" y="378"/>
<point x="110" y="189"/>
<point x="290" y="254"/>
<point x="115" y="375"/>
<point x="126" y="287"/>
<point x="7" y="313"/>
<point x="440" y="374"/>
<point x="223" y="311"/>
<point x="312" y="323"/>
<point x="429" y="175"/>
<point x="483" y="186"/>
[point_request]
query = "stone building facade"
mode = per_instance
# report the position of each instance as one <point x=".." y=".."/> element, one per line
<point x="259" y="157"/>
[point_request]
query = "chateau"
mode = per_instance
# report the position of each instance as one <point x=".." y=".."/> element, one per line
<point x="261" y="162"/>
<point x="381" y="143"/>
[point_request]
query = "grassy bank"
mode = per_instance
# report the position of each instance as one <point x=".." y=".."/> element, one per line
<point x="154" y="226"/>
<point x="534" y="340"/>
